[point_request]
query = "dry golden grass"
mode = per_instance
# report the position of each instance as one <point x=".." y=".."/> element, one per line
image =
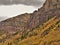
<point x="46" y="34"/>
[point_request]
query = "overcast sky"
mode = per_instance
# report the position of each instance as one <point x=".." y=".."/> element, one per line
<point x="25" y="2"/>
<point x="11" y="8"/>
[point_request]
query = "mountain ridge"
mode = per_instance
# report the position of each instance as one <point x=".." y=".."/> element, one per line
<point x="33" y="15"/>
<point x="36" y="25"/>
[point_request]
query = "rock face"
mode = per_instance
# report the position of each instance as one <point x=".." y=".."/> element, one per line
<point x="52" y="4"/>
<point x="26" y="21"/>
<point x="40" y="27"/>
<point x="45" y="13"/>
<point x="15" y="23"/>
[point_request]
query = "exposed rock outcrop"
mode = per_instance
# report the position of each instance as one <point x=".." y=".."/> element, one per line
<point x="26" y="21"/>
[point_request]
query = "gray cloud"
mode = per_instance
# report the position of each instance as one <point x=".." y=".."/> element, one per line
<point x="25" y="2"/>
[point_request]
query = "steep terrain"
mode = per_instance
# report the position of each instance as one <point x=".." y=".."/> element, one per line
<point x="29" y="21"/>
<point x="41" y="27"/>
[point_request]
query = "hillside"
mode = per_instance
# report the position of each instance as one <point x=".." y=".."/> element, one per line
<point x="41" y="27"/>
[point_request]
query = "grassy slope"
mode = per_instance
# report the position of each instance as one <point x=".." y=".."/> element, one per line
<point x="43" y="34"/>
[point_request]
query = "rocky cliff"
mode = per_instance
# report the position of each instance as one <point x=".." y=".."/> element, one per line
<point x="30" y="21"/>
<point x="34" y="28"/>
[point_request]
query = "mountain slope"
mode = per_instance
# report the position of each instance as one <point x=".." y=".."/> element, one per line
<point x="43" y="34"/>
<point x="38" y="28"/>
<point x="27" y="21"/>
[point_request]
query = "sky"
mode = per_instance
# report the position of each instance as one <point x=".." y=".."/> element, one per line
<point x="11" y="8"/>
